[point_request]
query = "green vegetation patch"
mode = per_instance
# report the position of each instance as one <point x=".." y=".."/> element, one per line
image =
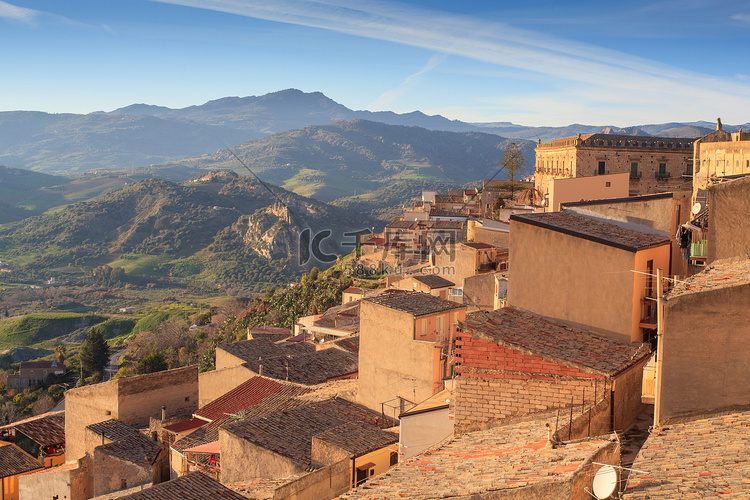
<point x="38" y="327"/>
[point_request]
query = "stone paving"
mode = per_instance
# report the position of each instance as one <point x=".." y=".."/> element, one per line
<point x="705" y="458"/>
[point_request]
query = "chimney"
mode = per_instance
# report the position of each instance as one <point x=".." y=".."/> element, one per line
<point x="260" y="370"/>
<point x="718" y="124"/>
<point x="163" y="413"/>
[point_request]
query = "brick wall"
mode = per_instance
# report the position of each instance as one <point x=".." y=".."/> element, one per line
<point x="495" y="383"/>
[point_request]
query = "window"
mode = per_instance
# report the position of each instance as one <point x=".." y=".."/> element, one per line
<point x="601" y="168"/>
<point x="394" y="458"/>
<point x="662" y="172"/>
<point x="608" y="184"/>
<point x="634" y="169"/>
<point x="457" y="292"/>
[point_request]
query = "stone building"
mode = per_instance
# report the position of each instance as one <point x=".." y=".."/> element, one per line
<point x="405" y="339"/>
<point x="33" y="374"/>
<point x="719" y="155"/>
<point x="655" y="164"/>
<point x="133" y="401"/>
<point x="510" y="363"/>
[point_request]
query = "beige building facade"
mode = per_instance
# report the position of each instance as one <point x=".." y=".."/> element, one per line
<point x="719" y="155"/>
<point x="654" y="164"/>
<point x="596" y="187"/>
<point x="404" y="341"/>
<point x="592" y="273"/>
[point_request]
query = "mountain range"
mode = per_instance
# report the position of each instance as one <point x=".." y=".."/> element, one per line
<point x="217" y="228"/>
<point x="140" y="134"/>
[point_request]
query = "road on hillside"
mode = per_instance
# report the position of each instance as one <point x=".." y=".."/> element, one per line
<point x="112" y="367"/>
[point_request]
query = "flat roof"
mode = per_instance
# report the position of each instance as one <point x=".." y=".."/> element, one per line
<point x="433" y="281"/>
<point x="606" y="232"/>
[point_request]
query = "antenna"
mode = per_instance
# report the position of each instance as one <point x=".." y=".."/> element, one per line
<point x="605" y="482"/>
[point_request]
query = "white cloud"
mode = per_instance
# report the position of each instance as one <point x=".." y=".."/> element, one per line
<point x="743" y="18"/>
<point x="8" y="11"/>
<point x="615" y="76"/>
<point x="386" y="99"/>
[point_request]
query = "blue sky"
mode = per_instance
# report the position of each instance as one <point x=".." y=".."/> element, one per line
<point x="532" y="63"/>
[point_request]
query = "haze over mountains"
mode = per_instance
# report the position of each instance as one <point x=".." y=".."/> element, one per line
<point x="146" y="134"/>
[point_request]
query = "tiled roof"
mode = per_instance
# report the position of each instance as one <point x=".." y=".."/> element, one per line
<point x="187" y="425"/>
<point x="261" y="489"/>
<point x="344" y="317"/>
<point x="250" y="393"/>
<point x="310" y="368"/>
<point x="128" y="444"/>
<point x="192" y="486"/>
<point x="606" y="232"/>
<point x="28" y="365"/>
<point x="289" y="432"/>
<point x="358" y="438"/>
<point x="499" y="459"/>
<point x="47" y="430"/>
<point x="13" y="461"/>
<point x="210" y="432"/>
<point x="415" y="303"/>
<point x="350" y="344"/>
<point x="700" y="459"/>
<point x="720" y="274"/>
<point x="535" y="335"/>
<point x="434" y="281"/>
<point x="251" y="350"/>
<point x="206" y="434"/>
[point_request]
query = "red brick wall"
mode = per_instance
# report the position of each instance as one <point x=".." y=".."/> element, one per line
<point x="494" y="383"/>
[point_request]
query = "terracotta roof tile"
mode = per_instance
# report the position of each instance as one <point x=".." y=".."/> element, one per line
<point x="502" y="458"/>
<point x="250" y="393"/>
<point x="535" y="335"/>
<point x="720" y="274"/>
<point x="415" y="303"/>
<point x="13" y="461"/>
<point x="47" y="429"/>
<point x="700" y="459"/>
<point x="358" y="438"/>
<point x="192" y="486"/>
<point x="289" y="432"/>
<point x="602" y="231"/>
<point x="127" y="442"/>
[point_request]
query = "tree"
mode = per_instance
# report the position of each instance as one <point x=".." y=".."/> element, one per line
<point x="154" y="362"/>
<point x="94" y="353"/>
<point x="512" y="164"/>
<point x="60" y="351"/>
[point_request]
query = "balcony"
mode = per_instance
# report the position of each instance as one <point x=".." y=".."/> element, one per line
<point x="636" y="175"/>
<point x="648" y="314"/>
<point x="662" y="175"/>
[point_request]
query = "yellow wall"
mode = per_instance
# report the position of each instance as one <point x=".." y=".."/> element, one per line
<point x="660" y="256"/>
<point x="584" y="283"/>
<point x="381" y="458"/>
<point x="718" y="159"/>
<point x="597" y="187"/>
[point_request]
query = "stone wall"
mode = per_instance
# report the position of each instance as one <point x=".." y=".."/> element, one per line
<point x="495" y="383"/>
<point x="242" y="460"/>
<point x="111" y="473"/>
<point x="729" y="223"/>
<point x="703" y="352"/>
<point x="131" y="400"/>
<point x="64" y="482"/>
<point x="322" y="484"/>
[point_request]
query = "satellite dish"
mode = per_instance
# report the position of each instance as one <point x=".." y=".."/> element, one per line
<point x="697" y="208"/>
<point x="605" y="482"/>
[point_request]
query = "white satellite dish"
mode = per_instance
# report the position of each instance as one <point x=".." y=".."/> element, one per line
<point x="697" y="208"/>
<point x="605" y="482"/>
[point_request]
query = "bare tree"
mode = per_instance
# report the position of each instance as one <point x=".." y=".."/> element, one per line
<point x="512" y="164"/>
